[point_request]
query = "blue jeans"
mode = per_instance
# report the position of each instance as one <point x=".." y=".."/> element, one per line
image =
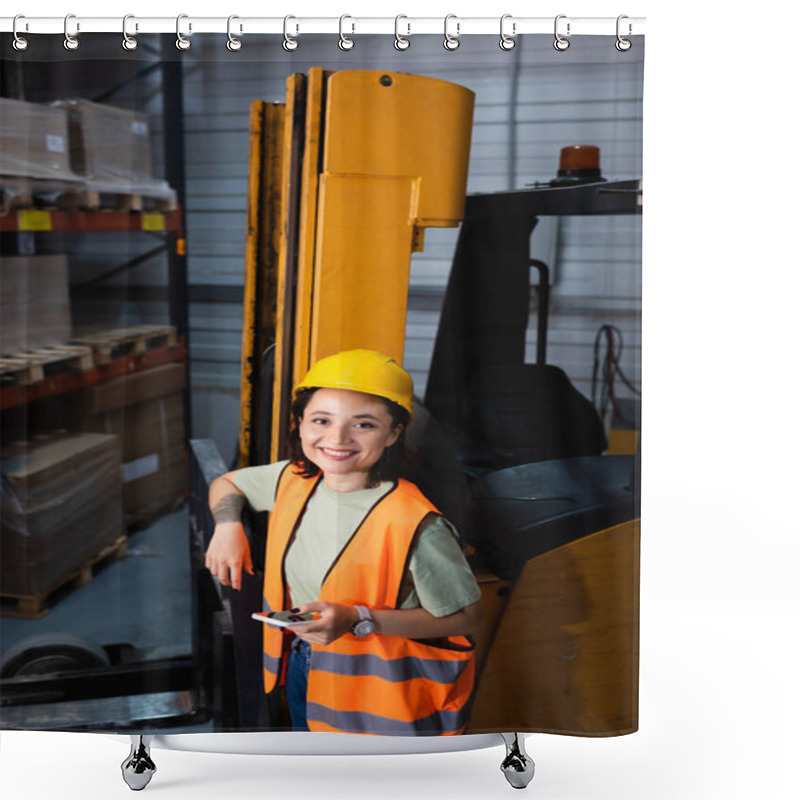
<point x="297" y="683"/>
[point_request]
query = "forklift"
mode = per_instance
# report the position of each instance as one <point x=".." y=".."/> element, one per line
<point x="344" y="179"/>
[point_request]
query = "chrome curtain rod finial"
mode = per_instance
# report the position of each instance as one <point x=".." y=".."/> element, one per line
<point x="518" y="766"/>
<point x="138" y="768"/>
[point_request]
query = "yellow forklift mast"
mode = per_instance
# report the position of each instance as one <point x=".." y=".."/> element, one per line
<point x="344" y="180"/>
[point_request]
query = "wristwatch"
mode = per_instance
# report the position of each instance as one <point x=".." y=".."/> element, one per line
<point x="365" y="625"/>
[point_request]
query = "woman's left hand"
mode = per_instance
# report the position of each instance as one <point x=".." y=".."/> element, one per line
<point x="334" y="621"/>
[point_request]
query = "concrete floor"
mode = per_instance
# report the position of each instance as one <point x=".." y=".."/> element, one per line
<point x="143" y="600"/>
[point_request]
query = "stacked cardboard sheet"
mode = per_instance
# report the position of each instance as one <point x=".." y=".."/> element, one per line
<point x="145" y="410"/>
<point x="76" y="144"/>
<point x="34" y="141"/>
<point x="61" y="504"/>
<point x="34" y="303"/>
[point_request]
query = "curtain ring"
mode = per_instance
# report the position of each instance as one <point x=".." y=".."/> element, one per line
<point x="182" y="43"/>
<point x="20" y="42"/>
<point x="289" y="44"/>
<point x="560" y="43"/>
<point x="506" y="42"/>
<point x="233" y="44"/>
<point x="400" y="42"/>
<point x="345" y="43"/>
<point x="70" y="42"/>
<point x="623" y="45"/>
<point x="451" y="42"/>
<point x="128" y="42"/>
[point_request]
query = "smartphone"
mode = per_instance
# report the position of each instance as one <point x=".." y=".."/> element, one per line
<point x="283" y="619"/>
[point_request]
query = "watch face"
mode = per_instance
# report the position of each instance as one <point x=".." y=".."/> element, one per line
<point x="364" y="627"/>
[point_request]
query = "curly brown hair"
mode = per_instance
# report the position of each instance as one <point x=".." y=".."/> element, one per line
<point x="389" y="467"/>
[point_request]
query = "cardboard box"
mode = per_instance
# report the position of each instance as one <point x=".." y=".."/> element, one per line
<point x="33" y="140"/>
<point x="157" y="492"/>
<point x="146" y="411"/>
<point x="61" y="504"/>
<point x="136" y="388"/>
<point x="34" y="302"/>
<point x="107" y="143"/>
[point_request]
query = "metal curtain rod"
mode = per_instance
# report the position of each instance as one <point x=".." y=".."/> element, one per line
<point x="453" y="25"/>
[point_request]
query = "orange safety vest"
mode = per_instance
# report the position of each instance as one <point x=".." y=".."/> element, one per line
<point x="375" y="684"/>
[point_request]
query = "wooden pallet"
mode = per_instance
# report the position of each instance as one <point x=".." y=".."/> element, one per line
<point x="17" y="194"/>
<point x="90" y="200"/>
<point x="37" y="605"/>
<point x="35" y="365"/>
<point x="108" y="345"/>
<point x="20" y="193"/>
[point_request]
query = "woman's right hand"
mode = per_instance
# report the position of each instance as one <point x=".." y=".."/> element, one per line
<point x="228" y="552"/>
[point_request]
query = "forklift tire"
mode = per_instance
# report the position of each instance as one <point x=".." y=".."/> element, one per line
<point x="47" y="653"/>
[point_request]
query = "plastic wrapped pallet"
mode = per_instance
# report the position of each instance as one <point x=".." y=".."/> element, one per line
<point x="34" y="302"/>
<point x="61" y="504"/>
<point x="33" y="140"/>
<point x="145" y="410"/>
<point x="107" y="143"/>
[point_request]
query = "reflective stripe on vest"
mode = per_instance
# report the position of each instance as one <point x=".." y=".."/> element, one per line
<point x="394" y="669"/>
<point x="438" y="723"/>
<point x="376" y="684"/>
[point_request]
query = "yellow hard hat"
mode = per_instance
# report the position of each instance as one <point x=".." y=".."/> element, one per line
<point x="365" y="371"/>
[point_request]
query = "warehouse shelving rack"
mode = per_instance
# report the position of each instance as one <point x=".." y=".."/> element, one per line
<point x="35" y="220"/>
<point x="164" y="692"/>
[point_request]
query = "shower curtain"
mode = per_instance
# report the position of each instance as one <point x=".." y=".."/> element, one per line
<point x="185" y="230"/>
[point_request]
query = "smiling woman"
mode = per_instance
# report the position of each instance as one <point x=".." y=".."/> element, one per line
<point x="344" y="434"/>
<point x="365" y="551"/>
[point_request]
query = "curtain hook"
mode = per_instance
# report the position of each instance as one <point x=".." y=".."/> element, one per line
<point x="506" y="42"/>
<point x="182" y="43"/>
<point x="233" y="44"/>
<point x="129" y="42"/>
<point x="20" y="42"/>
<point x="451" y="42"/>
<point x="623" y="45"/>
<point x="345" y="43"/>
<point x="400" y="42"/>
<point x="289" y="43"/>
<point x="70" y="42"/>
<point x="561" y="43"/>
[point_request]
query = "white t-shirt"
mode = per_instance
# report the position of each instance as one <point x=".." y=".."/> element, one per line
<point x="439" y="579"/>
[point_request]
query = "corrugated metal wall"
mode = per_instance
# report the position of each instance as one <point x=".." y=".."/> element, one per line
<point x="530" y="102"/>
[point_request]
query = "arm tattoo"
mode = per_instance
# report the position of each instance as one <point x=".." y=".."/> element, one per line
<point x="228" y="509"/>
